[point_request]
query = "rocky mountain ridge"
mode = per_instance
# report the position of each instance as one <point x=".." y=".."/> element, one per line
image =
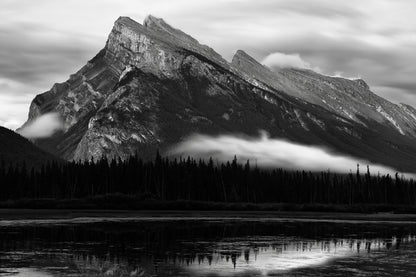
<point x="153" y="85"/>
<point x="348" y="98"/>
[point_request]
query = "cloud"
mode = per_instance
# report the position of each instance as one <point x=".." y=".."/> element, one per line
<point x="42" y="42"/>
<point x="33" y="58"/>
<point x="42" y="127"/>
<point x="398" y="95"/>
<point x="272" y="153"/>
<point x="280" y="60"/>
<point x="14" y="103"/>
<point x="49" y="55"/>
<point x="339" y="74"/>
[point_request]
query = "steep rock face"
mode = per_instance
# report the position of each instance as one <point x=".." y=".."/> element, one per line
<point x="153" y="85"/>
<point x="75" y="100"/>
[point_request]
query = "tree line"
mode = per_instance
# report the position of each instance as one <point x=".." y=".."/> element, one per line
<point x="167" y="179"/>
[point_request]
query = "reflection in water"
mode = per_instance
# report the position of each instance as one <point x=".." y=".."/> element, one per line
<point x="206" y="248"/>
<point x="280" y="255"/>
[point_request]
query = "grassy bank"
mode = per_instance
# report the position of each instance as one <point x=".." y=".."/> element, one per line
<point x="124" y="202"/>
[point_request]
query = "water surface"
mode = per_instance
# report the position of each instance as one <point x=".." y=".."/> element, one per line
<point x="177" y="246"/>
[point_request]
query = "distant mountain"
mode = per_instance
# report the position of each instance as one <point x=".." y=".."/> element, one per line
<point x="351" y="99"/>
<point x="15" y="149"/>
<point x="153" y="85"/>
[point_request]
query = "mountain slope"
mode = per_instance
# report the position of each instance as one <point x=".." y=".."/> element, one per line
<point x="153" y="85"/>
<point x="348" y="98"/>
<point x="15" y="149"/>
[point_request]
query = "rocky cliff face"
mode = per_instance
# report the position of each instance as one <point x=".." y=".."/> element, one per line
<point x="153" y="85"/>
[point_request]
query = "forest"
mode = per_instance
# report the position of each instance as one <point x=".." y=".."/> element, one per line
<point x="165" y="179"/>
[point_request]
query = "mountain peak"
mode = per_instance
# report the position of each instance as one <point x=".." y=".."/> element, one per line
<point x="127" y="21"/>
<point x="123" y="19"/>
<point x="159" y="26"/>
<point x="240" y="52"/>
<point x="152" y="20"/>
<point x="241" y="58"/>
<point x="362" y="83"/>
<point x="157" y="30"/>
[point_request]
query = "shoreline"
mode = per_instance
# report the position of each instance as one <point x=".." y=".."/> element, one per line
<point x="114" y="202"/>
<point x="69" y="214"/>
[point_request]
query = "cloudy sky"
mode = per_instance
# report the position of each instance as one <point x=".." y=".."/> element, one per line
<point x="44" y="41"/>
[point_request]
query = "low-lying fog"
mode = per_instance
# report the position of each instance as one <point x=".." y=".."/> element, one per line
<point x="269" y="152"/>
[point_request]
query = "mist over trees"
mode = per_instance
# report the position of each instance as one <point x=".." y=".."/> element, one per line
<point x="200" y="180"/>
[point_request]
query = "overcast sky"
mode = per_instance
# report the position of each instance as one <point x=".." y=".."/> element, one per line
<point x="42" y="42"/>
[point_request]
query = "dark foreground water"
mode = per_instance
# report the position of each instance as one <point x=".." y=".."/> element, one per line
<point x="205" y="247"/>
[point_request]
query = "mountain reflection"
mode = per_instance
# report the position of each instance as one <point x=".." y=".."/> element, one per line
<point x="191" y="248"/>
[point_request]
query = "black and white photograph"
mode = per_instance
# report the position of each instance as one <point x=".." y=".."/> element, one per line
<point x="188" y="138"/>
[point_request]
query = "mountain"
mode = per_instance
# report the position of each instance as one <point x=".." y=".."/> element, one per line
<point x="15" y="149"/>
<point x="152" y="85"/>
<point x="347" y="98"/>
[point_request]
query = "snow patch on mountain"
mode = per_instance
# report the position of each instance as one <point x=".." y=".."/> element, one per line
<point x="318" y="122"/>
<point x="300" y="120"/>
<point x="390" y="119"/>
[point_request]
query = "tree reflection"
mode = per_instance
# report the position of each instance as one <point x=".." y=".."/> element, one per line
<point x="186" y="247"/>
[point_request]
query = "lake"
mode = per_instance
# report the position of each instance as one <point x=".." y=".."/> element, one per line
<point x="205" y="246"/>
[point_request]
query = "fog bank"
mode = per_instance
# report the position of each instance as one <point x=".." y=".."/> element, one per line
<point x="269" y="152"/>
<point x="42" y="127"/>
